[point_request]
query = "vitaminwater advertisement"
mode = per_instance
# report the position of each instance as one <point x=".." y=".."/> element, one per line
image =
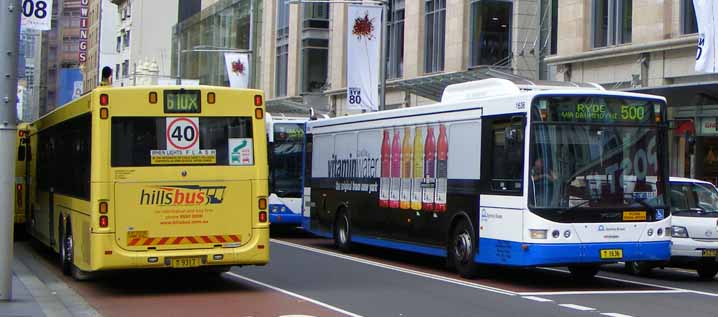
<point x="410" y="162"/>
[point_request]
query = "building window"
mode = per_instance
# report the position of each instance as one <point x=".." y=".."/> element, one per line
<point x="127" y="39"/>
<point x="125" y="68"/>
<point x="395" y="40"/>
<point x="315" y="54"/>
<point x="117" y="71"/>
<point x="490" y="32"/>
<point x="316" y="15"/>
<point x="611" y="22"/>
<point x="119" y="44"/>
<point x="282" y="56"/>
<point x="435" y="21"/>
<point x="688" y="17"/>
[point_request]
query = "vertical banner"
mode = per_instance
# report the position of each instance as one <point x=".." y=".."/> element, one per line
<point x="84" y="29"/>
<point x="237" y="69"/>
<point x="707" y="20"/>
<point x="363" y="42"/>
<point x="36" y="14"/>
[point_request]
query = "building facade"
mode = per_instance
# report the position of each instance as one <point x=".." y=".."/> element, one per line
<point x="646" y="46"/>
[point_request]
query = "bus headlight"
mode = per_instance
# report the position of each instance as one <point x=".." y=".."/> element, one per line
<point x="538" y="233"/>
<point x="679" y="232"/>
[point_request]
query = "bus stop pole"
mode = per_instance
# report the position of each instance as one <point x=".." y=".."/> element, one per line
<point x="9" y="46"/>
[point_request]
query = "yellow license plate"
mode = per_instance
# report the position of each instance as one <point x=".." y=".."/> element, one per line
<point x="634" y="216"/>
<point x="710" y="253"/>
<point x="186" y="262"/>
<point x="611" y="254"/>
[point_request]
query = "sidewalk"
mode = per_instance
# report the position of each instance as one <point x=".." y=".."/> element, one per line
<point x="39" y="292"/>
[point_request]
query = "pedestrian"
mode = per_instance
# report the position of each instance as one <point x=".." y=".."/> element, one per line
<point x="106" y="76"/>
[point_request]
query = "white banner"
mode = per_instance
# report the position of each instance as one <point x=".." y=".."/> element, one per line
<point x="707" y="19"/>
<point x="364" y="35"/>
<point x="237" y="69"/>
<point x="36" y="14"/>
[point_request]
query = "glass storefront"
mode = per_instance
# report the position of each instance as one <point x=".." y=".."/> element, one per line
<point x="206" y="36"/>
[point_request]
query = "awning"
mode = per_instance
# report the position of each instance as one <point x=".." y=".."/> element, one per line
<point x="692" y="94"/>
<point x="432" y="86"/>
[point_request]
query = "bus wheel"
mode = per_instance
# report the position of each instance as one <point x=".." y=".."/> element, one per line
<point x="342" y="232"/>
<point x="463" y="250"/>
<point x="583" y="272"/>
<point x="66" y="250"/>
<point x="638" y="268"/>
<point x="707" y="272"/>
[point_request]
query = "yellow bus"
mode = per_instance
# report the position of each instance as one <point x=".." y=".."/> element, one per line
<point x="152" y="177"/>
<point x="21" y="193"/>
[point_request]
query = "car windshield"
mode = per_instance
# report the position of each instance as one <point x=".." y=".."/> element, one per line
<point x="586" y="154"/>
<point x="694" y="197"/>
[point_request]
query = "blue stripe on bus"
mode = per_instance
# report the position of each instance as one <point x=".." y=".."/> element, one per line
<point x="510" y="253"/>
<point x="277" y="216"/>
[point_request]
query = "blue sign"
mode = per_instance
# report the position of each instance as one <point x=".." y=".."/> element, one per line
<point x="70" y="85"/>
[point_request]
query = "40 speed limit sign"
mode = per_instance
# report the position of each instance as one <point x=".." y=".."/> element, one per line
<point x="182" y="133"/>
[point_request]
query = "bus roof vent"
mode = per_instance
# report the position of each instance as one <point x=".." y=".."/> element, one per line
<point x="491" y="87"/>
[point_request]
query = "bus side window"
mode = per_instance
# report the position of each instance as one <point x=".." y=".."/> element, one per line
<point x="21" y="151"/>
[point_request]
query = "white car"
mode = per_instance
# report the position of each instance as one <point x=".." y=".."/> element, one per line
<point x="694" y="209"/>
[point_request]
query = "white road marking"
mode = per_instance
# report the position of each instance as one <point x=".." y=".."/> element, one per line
<point x="398" y="269"/>
<point x="304" y="298"/>
<point x="640" y="283"/>
<point x="577" y="307"/>
<point x="538" y="299"/>
<point x="615" y="315"/>
<point x="671" y="291"/>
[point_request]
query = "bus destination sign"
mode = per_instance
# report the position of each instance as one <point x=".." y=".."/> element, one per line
<point x="182" y="101"/>
<point x="637" y="113"/>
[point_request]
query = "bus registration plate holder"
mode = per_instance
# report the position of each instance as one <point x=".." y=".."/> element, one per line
<point x="186" y="262"/>
<point x="713" y="253"/>
<point x="608" y="254"/>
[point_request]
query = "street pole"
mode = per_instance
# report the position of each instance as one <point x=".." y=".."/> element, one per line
<point x="179" y="53"/>
<point x="9" y="46"/>
<point x="383" y="49"/>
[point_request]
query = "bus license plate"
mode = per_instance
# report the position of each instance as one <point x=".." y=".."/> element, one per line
<point x="611" y="254"/>
<point x="710" y="253"/>
<point x="186" y="262"/>
<point x="634" y="216"/>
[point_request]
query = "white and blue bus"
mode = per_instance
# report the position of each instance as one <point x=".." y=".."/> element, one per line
<point x="285" y="136"/>
<point x="498" y="173"/>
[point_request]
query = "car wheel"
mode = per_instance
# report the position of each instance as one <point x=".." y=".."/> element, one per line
<point x="707" y="272"/>
<point x="639" y="268"/>
<point x="342" y="232"/>
<point x="463" y="250"/>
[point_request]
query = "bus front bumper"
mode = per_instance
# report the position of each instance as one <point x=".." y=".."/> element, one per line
<point x="539" y="254"/>
<point x="108" y="256"/>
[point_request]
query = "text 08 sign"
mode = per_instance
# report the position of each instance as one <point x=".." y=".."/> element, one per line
<point x="36" y="14"/>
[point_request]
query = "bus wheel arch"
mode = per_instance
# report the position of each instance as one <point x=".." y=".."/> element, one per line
<point x="66" y="247"/>
<point x="342" y="229"/>
<point x="462" y="245"/>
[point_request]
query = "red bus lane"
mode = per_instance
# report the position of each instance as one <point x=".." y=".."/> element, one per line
<point x="162" y="293"/>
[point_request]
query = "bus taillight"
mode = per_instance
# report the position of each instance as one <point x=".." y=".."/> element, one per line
<point x="153" y="97"/>
<point x="258" y="113"/>
<point x="262" y="203"/>
<point x="104" y="100"/>
<point x="19" y="195"/>
<point x="211" y="98"/>
<point x="104" y="222"/>
<point x="258" y="100"/>
<point x="103" y="207"/>
<point x="262" y="216"/>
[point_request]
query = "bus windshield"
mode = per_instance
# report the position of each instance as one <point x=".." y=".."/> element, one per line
<point x="595" y="152"/>
<point x="286" y="161"/>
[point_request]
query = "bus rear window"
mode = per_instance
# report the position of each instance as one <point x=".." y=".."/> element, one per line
<point x="163" y="141"/>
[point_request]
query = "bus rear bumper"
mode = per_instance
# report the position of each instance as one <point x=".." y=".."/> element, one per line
<point x="110" y="257"/>
<point x="540" y="254"/>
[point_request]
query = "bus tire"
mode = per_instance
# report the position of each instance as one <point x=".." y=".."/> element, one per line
<point x="462" y="248"/>
<point x="583" y="272"/>
<point x="66" y="249"/>
<point x="707" y="272"/>
<point x="639" y="268"/>
<point x="342" y="232"/>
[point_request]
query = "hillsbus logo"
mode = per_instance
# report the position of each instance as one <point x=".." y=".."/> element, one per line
<point x="190" y="195"/>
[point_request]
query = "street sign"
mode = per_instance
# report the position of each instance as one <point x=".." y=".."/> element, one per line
<point x="182" y="133"/>
<point x="36" y="14"/>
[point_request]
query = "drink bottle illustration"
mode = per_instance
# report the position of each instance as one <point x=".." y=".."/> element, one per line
<point x="406" y="156"/>
<point x="395" y="171"/>
<point x="427" y="200"/>
<point x="418" y="170"/>
<point x="442" y="169"/>
<point x="384" y="182"/>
